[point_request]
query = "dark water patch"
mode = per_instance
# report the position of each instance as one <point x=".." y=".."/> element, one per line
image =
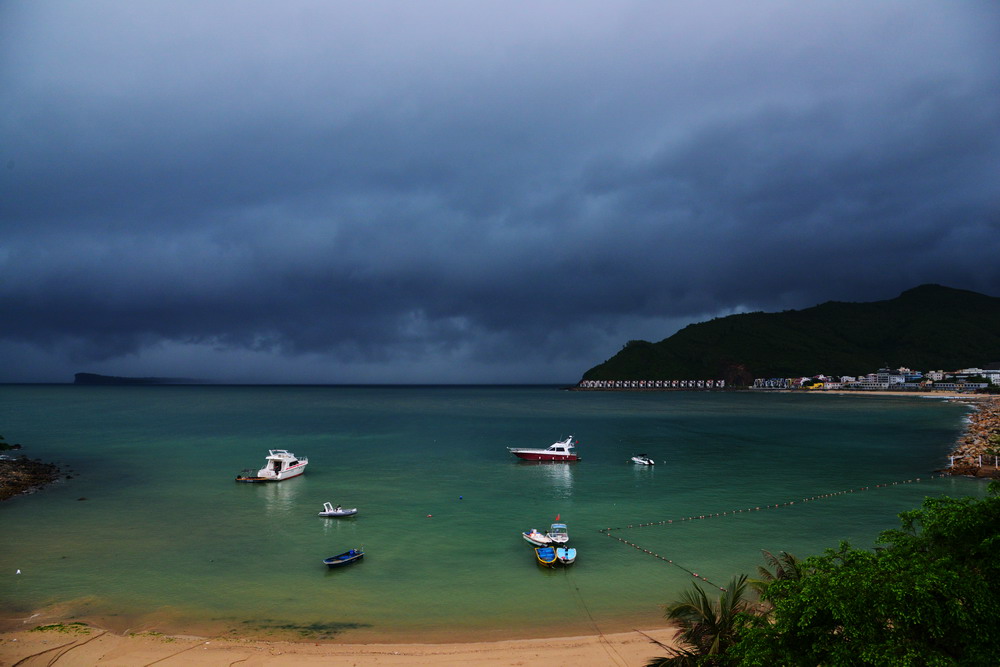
<point x="316" y="630"/>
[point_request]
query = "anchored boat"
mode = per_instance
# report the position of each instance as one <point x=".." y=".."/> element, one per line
<point x="558" y="533"/>
<point x="565" y="555"/>
<point x="564" y="450"/>
<point x="330" y="510"/>
<point x="546" y="556"/>
<point x="280" y="464"/>
<point x="346" y="558"/>
<point x="536" y="538"/>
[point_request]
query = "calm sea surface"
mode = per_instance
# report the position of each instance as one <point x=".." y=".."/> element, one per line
<point x="152" y="532"/>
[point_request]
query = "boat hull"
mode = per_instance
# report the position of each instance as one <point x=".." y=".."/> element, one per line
<point x="537" y="539"/>
<point x="339" y="513"/>
<point x="565" y="556"/>
<point x="294" y="471"/>
<point x="346" y="558"/>
<point x="543" y="456"/>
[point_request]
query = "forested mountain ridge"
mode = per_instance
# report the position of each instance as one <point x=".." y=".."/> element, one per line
<point x="926" y="328"/>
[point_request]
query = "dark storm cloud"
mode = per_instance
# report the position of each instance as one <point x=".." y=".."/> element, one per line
<point x="474" y="192"/>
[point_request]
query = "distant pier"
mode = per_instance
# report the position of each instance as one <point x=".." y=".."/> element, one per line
<point x="649" y="385"/>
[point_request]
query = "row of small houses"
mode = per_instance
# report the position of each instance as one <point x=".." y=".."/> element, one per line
<point x="797" y="383"/>
<point x="652" y="384"/>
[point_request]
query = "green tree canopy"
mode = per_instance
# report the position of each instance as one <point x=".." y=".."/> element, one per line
<point x="929" y="594"/>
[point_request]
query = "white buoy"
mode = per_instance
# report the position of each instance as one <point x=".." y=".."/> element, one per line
<point x="19" y="571"/>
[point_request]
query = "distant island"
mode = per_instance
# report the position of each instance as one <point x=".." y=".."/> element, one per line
<point x="929" y="327"/>
<point x="94" y="378"/>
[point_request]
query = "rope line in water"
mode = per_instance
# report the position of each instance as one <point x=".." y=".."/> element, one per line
<point x="607" y="531"/>
<point x="605" y="642"/>
<point x="765" y="507"/>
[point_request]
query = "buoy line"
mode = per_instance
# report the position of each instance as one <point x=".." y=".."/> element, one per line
<point x="607" y="531"/>
<point x="758" y="508"/>
<point x="664" y="559"/>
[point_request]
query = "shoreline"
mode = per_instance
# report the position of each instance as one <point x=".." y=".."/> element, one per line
<point x="82" y="645"/>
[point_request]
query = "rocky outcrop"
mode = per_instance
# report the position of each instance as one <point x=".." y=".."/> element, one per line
<point x="23" y="475"/>
<point x="981" y="439"/>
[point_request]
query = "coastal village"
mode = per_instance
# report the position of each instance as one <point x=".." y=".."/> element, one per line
<point x="977" y="451"/>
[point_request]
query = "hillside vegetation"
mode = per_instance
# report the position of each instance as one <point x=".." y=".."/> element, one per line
<point x="926" y="328"/>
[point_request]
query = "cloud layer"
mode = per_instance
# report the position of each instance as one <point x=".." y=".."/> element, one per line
<point x="473" y="192"/>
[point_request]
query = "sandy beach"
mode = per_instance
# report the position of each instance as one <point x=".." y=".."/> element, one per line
<point x="93" y="646"/>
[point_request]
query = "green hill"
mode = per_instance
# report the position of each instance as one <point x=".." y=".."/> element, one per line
<point x="926" y="328"/>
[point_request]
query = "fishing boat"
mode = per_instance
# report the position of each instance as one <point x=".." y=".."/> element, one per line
<point x="538" y="539"/>
<point x="563" y="450"/>
<point x="330" y="510"/>
<point x="279" y="465"/>
<point x="565" y="555"/>
<point x="558" y="533"/>
<point x="546" y="556"/>
<point x="643" y="460"/>
<point x="346" y="558"/>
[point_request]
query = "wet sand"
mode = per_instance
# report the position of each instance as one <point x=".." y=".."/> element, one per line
<point x="75" y="646"/>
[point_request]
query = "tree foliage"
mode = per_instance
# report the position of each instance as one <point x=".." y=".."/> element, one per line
<point x="834" y="337"/>
<point x="707" y="629"/>
<point x="927" y="595"/>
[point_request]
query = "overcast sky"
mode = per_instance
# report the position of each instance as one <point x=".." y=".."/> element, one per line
<point x="451" y="192"/>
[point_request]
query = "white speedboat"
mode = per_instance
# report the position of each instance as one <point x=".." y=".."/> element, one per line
<point x="564" y="450"/>
<point x="280" y="464"/>
<point x="538" y="539"/>
<point x="558" y="533"/>
<point x="643" y="460"/>
<point x="330" y="510"/>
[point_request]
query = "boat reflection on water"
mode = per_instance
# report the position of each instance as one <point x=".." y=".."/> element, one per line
<point x="281" y="498"/>
<point x="556" y="477"/>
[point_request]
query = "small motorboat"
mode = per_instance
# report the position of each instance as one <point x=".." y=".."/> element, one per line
<point x="558" y="533"/>
<point x="346" y="558"/>
<point x="564" y="450"/>
<point x="643" y="460"/>
<point x="546" y="556"/>
<point x="280" y="464"/>
<point x="536" y="538"/>
<point x="330" y="510"/>
<point x="565" y="556"/>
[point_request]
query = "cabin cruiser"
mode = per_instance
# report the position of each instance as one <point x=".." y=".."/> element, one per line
<point x="280" y="464"/>
<point x="564" y="450"/>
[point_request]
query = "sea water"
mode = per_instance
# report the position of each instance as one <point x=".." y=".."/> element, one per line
<point x="151" y="532"/>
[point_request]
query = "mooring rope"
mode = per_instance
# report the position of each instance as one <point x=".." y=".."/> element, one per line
<point x="667" y="522"/>
<point x="605" y="642"/>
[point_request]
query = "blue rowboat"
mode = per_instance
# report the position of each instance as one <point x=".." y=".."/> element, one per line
<point x="546" y="556"/>
<point x="346" y="558"/>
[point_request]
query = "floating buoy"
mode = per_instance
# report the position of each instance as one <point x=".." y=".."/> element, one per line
<point x="19" y="571"/>
<point x="429" y="515"/>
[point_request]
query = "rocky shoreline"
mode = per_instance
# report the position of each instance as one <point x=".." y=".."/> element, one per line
<point x="23" y="475"/>
<point x="978" y="449"/>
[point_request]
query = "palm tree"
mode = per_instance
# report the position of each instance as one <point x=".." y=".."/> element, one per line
<point x="707" y="628"/>
<point x="784" y="566"/>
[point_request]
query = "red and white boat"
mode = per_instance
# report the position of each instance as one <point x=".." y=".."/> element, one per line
<point x="281" y="464"/>
<point x="564" y="450"/>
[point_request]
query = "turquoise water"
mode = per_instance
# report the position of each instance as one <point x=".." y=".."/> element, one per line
<point x="152" y="532"/>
